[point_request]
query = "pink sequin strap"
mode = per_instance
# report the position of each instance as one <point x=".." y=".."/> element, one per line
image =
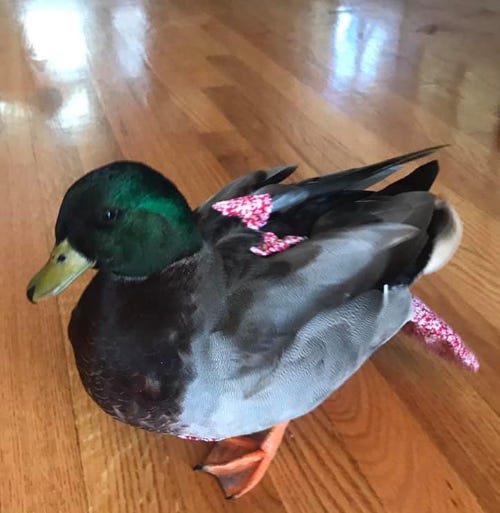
<point x="273" y="244"/>
<point x="254" y="211"/>
<point x="437" y="336"/>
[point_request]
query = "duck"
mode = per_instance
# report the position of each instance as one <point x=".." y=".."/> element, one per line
<point x="225" y="322"/>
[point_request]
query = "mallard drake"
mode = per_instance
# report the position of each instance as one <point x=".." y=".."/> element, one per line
<point x="247" y="312"/>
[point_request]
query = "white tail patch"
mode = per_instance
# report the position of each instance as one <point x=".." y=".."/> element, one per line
<point x="447" y="240"/>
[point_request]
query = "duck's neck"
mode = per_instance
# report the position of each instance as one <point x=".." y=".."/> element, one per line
<point x="163" y="242"/>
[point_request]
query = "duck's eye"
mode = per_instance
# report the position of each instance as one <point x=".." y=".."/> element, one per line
<point x="109" y="215"/>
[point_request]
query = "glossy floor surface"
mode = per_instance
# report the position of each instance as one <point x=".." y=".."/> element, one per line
<point x="205" y="90"/>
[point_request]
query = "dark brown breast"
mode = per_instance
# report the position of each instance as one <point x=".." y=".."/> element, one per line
<point x="132" y="344"/>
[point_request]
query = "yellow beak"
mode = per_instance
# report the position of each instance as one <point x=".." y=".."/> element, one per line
<point x="64" y="266"/>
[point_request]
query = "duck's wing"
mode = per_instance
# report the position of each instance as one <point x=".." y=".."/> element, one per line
<point x="293" y="328"/>
<point x="359" y="242"/>
<point x="273" y="297"/>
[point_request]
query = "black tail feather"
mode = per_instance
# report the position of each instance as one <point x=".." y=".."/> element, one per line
<point x="362" y="177"/>
<point x="419" y="180"/>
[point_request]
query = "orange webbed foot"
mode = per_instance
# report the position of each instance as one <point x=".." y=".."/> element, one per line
<point x="240" y="463"/>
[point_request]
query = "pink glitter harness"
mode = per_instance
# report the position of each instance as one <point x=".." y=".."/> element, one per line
<point x="432" y="331"/>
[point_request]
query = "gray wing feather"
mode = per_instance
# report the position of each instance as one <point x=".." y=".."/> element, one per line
<point x="225" y="400"/>
<point x="321" y="273"/>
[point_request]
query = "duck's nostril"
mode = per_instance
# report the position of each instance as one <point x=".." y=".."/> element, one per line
<point x="61" y="258"/>
<point x="30" y="292"/>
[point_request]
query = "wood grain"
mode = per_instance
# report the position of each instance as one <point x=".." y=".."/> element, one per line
<point x="204" y="91"/>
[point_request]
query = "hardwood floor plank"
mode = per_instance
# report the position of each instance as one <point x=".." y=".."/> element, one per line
<point x="403" y="466"/>
<point x="304" y="470"/>
<point x="251" y="126"/>
<point x="39" y="451"/>
<point x="310" y="142"/>
<point x="433" y="391"/>
<point x="233" y="152"/>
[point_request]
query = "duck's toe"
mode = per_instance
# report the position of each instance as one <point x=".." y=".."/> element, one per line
<point x="240" y="463"/>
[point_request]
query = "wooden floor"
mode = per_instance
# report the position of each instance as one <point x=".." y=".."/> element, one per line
<point x="205" y="90"/>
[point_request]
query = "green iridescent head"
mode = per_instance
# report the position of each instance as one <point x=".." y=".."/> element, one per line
<point x="124" y="217"/>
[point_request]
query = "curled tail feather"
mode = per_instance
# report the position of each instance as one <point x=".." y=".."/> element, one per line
<point x="448" y="229"/>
